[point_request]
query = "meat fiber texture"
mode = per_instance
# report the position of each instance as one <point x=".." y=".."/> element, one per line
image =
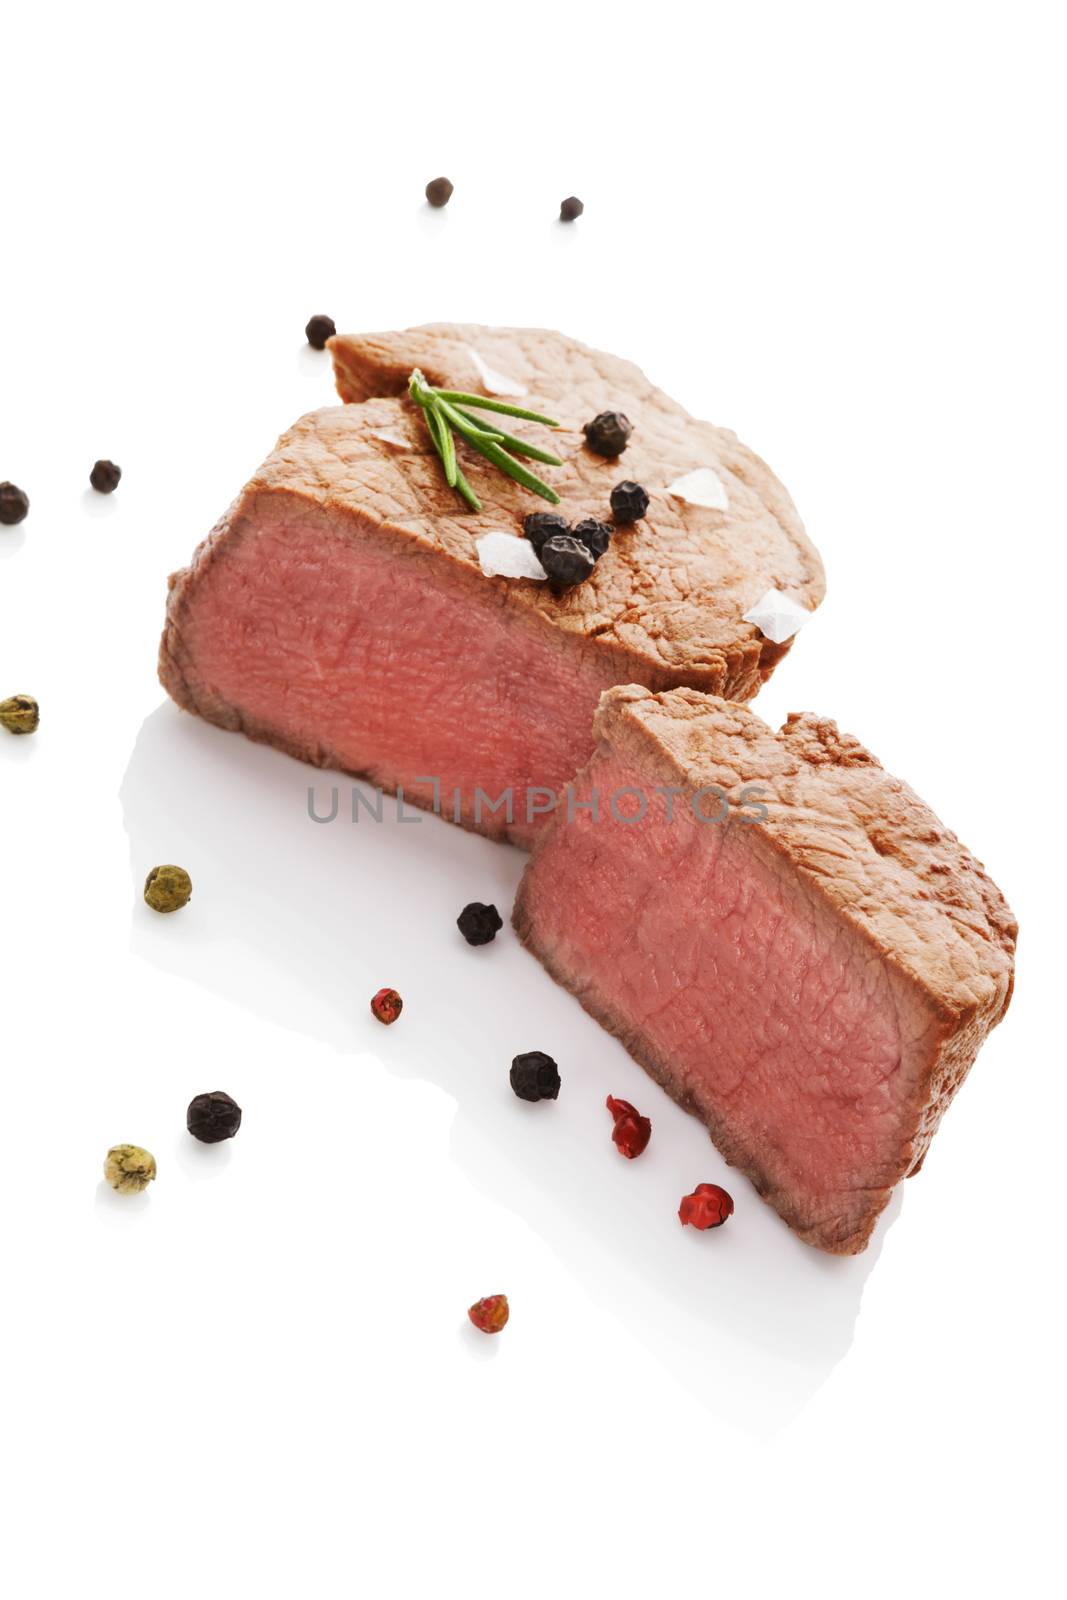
<point x="339" y="611"/>
<point x="813" y="981"/>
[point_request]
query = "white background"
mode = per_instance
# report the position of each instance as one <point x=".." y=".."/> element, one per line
<point x="832" y="228"/>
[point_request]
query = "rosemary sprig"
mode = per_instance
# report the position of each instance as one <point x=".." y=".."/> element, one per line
<point x="519" y="447"/>
<point x="442" y="440"/>
<point x="447" y="412"/>
<point x="481" y="403"/>
<point x="513" y="469"/>
<point x="448" y="456"/>
<point x="466" y="425"/>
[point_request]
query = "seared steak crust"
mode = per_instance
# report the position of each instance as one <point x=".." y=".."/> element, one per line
<point x="815" y="985"/>
<point x="672" y="589"/>
<point x="346" y="487"/>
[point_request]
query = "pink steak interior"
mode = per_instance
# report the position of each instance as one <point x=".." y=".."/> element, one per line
<point x="735" y="984"/>
<point x="348" y="651"/>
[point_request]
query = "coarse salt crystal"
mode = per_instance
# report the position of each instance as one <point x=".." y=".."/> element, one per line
<point x="502" y="555"/>
<point x="494" y="382"/>
<point x="777" y="616"/>
<point x="701" y="487"/>
<point x="397" y="440"/>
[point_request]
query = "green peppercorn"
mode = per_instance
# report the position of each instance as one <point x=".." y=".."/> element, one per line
<point x="168" y="888"/>
<point x="20" y="713"/>
<point x="129" y="1169"/>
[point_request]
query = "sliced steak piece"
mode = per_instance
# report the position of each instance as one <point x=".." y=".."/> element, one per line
<point x="815" y="985"/>
<point x="339" y="610"/>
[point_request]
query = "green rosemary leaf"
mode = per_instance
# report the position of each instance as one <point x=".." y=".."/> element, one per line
<point x="419" y="389"/>
<point x="506" y="464"/>
<point x="466" y="491"/>
<point x="519" y="447"/>
<point x="433" y="423"/>
<point x="449" y="455"/>
<point x="480" y="403"/>
<point x="443" y="418"/>
<point x="438" y="433"/>
<point x="467" y="426"/>
<point x="442" y="441"/>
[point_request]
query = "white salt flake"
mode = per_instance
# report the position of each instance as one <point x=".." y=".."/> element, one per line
<point x="495" y="382"/>
<point x="397" y="440"/>
<point x="777" y="616"/>
<point x="502" y="555"/>
<point x="701" y="487"/>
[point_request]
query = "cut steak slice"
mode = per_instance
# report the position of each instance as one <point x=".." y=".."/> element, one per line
<point x="339" y="611"/>
<point x="813" y="984"/>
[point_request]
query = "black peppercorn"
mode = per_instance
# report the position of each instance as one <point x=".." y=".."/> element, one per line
<point x="213" y="1117"/>
<point x="596" y="536"/>
<point x="566" y="560"/>
<point x="105" y="477"/>
<point x="542" y="525"/>
<point x="479" y="924"/>
<point x="608" y="433"/>
<point x="629" y="502"/>
<point x="439" y="192"/>
<point x="535" y="1076"/>
<point x="14" y="504"/>
<point x="571" y="207"/>
<point x="318" y="330"/>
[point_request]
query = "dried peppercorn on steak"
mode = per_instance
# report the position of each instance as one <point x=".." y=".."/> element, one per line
<point x="813" y="984"/>
<point x="340" y="612"/>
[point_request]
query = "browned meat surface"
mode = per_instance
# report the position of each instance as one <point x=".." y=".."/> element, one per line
<point x="339" y="611"/>
<point x="814" y="985"/>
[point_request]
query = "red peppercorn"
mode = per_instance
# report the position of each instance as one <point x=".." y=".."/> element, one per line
<point x="707" y="1207"/>
<point x="489" y="1315"/>
<point x="632" y="1131"/>
<point x="387" y="1005"/>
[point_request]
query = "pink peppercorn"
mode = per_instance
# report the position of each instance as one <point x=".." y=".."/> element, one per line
<point x="387" y="1005"/>
<point x="632" y="1131"/>
<point x="489" y="1315"/>
<point x="707" y="1207"/>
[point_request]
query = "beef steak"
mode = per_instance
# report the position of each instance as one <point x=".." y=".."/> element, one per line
<point x="339" y="611"/>
<point x="813" y="985"/>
